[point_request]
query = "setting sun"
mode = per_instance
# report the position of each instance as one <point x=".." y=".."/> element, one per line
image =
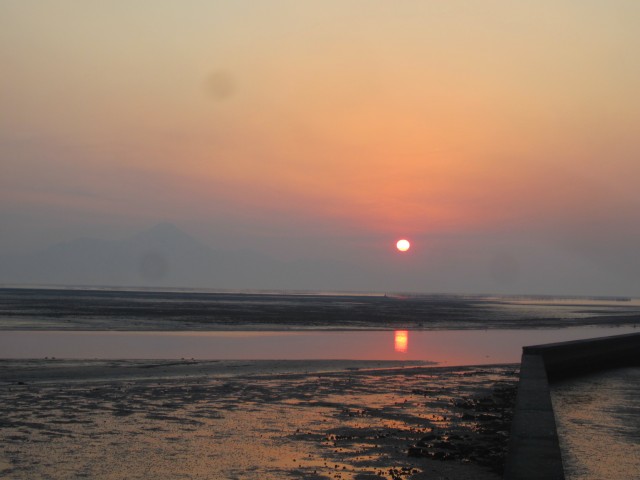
<point x="403" y="245"/>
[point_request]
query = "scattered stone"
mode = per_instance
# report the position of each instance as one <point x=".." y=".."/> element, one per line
<point x="484" y="435"/>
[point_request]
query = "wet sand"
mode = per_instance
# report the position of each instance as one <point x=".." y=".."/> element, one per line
<point x="254" y="420"/>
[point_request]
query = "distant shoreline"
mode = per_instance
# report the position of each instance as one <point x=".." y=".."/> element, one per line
<point x="155" y="310"/>
<point x="315" y="293"/>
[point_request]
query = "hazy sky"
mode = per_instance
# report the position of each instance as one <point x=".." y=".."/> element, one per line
<point x="501" y="137"/>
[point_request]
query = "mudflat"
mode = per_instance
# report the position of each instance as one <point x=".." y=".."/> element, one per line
<point x="77" y="309"/>
<point x="260" y="419"/>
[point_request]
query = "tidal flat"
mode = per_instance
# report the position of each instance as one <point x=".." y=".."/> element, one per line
<point x="188" y="310"/>
<point x="387" y="413"/>
<point x="253" y="419"/>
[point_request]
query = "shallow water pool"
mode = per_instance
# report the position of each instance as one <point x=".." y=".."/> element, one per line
<point x="446" y="347"/>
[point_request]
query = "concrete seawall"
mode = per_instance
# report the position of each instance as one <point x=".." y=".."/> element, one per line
<point x="534" y="450"/>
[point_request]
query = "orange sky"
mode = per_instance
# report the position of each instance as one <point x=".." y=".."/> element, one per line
<point x="357" y="119"/>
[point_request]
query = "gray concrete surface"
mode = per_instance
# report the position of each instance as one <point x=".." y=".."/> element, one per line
<point x="534" y="451"/>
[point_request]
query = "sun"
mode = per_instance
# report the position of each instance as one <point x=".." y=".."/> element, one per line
<point x="403" y="245"/>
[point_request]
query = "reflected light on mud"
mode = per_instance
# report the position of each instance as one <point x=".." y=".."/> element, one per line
<point x="401" y="340"/>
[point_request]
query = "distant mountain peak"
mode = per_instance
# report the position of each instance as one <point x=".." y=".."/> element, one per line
<point x="165" y="233"/>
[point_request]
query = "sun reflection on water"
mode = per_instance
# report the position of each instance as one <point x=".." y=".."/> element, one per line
<point x="401" y="341"/>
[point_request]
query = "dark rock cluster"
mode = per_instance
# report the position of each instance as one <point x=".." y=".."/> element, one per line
<point x="479" y="434"/>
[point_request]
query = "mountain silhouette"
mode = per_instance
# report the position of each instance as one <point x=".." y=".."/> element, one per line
<point x="166" y="256"/>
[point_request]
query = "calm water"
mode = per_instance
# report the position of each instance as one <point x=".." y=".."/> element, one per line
<point x="448" y="347"/>
<point x="598" y="418"/>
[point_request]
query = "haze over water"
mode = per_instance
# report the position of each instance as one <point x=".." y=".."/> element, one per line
<point x="498" y="137"/>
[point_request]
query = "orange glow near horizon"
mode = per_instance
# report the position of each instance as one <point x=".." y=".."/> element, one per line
<point x="401" y="341"/>
<point x="292" y="121"/>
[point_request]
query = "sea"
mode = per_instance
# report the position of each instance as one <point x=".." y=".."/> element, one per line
<point x="117" y="323"/>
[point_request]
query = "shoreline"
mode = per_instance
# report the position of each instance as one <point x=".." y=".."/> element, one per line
<point x="43" y="371"/>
